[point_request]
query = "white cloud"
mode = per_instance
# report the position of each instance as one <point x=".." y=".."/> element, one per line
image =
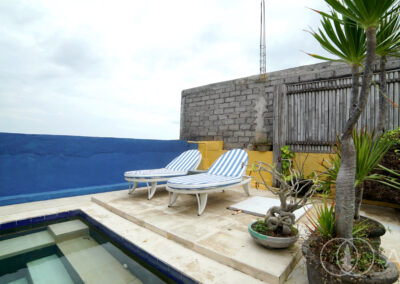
<point x="117" y="68"/>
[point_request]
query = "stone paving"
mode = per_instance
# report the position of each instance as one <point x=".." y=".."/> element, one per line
<point x="212" y="248"/>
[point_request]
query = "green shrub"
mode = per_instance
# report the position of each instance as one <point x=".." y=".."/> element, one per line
<point x="323" y="219"/>
<point x="393" y="135"/>
<point x="287" y="157"/>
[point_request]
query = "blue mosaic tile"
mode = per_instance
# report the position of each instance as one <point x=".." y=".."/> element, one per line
<point x="9" y="225"/>
<point x="150" y="259"/>
<point x="63" y="215"/>
<point x="25" y="222"/>
<point x="36" y="220"/>
<point x="139" y="252"/>
<point x="163" y="267"/>
<point x="51" y="217"/>
<point x="135" y="250"/>
<point x="174" y="275"/>
<point x="74" y="213"/>
<point x="188" y="280"/>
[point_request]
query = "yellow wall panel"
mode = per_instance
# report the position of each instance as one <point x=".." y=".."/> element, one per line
<point x="212" y="150"/>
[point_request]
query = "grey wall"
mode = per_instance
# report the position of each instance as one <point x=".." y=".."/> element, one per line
<point x="233" y="111"/>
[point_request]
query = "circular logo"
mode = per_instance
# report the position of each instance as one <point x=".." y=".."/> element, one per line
<point x="346" y="254"/>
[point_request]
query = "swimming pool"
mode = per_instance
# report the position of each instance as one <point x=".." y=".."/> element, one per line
<point x="72" y="247"/>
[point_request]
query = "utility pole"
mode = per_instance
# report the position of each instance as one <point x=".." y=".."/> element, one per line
<point x="263" y="62"/>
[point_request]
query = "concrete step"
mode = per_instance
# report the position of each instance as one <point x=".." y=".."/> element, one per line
<point x="68" y="230"/>
<point x="93" y="263"/>
<point x="49" y="269"/>
<point x="24" y="244"/>
<point x="22" y="280"/>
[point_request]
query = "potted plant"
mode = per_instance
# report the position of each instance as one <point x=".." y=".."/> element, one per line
<point x="349" y="32"/>
<point x="262" y="144"/>
<point x="370" y="150"/>
<point x="305" y="182"/>
<point x="276" y="230"/>
<point x="326" y="254"/>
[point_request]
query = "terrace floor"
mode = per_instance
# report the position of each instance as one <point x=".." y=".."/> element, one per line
<point x="212" y="248"/>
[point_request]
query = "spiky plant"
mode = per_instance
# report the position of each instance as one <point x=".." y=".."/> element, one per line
<point x="367" y="14"/>
<point x="370" y="149"/>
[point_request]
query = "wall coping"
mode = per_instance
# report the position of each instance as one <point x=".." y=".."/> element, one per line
<point x="300" y="74"/>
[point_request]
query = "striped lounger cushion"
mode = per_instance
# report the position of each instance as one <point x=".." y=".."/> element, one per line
<point x="227" y="170"/>
<point x="179" y="166"/>
<point x="154" y="173"/>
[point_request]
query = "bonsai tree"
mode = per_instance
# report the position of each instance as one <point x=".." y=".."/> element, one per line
<point x="280" y="219"/>
<point x="367" y="15"/>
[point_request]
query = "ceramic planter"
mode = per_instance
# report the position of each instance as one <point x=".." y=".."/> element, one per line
<point x="262" y="147"/>
<point x="272" y="242"/>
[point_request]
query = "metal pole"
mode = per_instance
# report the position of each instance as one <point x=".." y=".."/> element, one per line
<point x="262" y="41"/>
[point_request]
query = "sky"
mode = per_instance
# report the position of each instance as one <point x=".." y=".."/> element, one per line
<point x="117" y="68"/>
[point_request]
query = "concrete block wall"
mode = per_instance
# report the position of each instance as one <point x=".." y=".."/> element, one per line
<point x="233" y="111"/>
<point x="223" y="111"/>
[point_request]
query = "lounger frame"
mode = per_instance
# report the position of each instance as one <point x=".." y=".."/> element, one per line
<point x="151" y="189"/>
<point x="202" y="194"/>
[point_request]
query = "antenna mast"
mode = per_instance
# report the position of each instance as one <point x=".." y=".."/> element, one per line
<point x="263" y="62"/>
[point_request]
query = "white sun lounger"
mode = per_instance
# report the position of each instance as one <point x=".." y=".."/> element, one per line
<point x="180" y="166"/>
<point x="225" y="173"/>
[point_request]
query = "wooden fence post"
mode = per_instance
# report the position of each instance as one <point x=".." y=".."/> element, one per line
<point x="280" y="125"/>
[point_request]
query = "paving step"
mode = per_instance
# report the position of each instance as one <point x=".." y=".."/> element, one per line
<point x="49" y="269"/>
<point x="22" y="280"/>
<point x="24" y="244"/>
<point x="68" y="230"/>
<point x="93" y="263"/>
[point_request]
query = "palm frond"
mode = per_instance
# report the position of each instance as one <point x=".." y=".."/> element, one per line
<point x="369" y="152"/>
<point x="367" y="13"/>
<point x="388" y="35"/>
<point x="342" y="38"/>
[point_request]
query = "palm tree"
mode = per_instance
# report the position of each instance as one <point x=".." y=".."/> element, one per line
<point x="388" y="44"/>
<point x="345" y="39"/>
<point x="368" y="15"/>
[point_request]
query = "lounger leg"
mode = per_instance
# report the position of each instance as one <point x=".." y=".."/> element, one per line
<point x="152" y="190"/>
<point x="202" y="202"/>
<point x="132" y="189"/>
<point x="246" y="187"/>
<point x="172" y="198"/>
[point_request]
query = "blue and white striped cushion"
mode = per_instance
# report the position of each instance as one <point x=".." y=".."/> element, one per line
<point x="186" y="161"/>
<point x="231" y="164"/>
<point x="227" y="170"/>
<point x="201" y="181"/>
<point x="153" y="173"/>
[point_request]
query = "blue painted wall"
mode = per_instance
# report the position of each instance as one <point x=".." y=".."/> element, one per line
<point x="38" y="167"/>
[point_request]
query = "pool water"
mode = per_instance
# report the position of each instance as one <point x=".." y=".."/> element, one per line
<point x="70" y="251"/>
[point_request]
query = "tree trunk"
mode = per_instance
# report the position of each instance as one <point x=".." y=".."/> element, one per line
<point x="383" y="102"/>
<point x="345" y="193"/>
<point x="366" y="83"/>
<point x="355" y="86"/>
<point x="359" y="195"/>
